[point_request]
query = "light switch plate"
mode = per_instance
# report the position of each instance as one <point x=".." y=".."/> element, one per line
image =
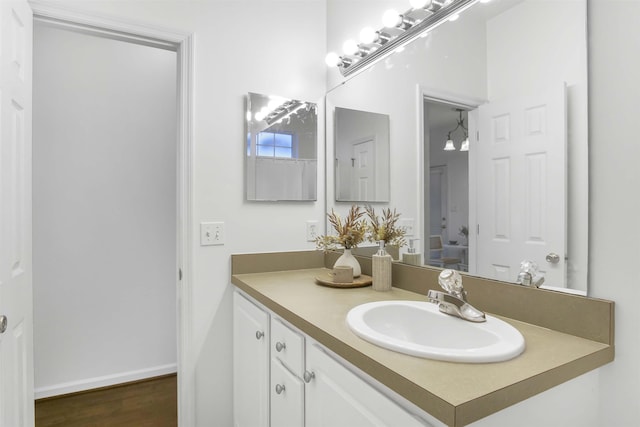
<point x="211" y="233"/>
<point x="312" y="230"/>
<point x="408" y="224"/>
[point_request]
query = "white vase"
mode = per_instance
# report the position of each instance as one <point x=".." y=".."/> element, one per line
<point x="381" y="264"/>
<point x="349" y="260"/>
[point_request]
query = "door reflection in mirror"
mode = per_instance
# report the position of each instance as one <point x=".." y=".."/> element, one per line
<point x="362" y="156"/>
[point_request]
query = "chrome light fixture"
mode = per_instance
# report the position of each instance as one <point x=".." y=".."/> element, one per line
<point x="398" y="30"/>
<point x="448" y="146"/>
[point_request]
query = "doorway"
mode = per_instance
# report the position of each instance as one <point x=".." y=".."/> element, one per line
<point x="179" y="189"/>
<point x="447" y="196"/>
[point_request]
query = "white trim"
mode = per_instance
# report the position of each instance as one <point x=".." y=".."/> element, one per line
<point x="182" y="43"/>
<point x="104" y="381"/>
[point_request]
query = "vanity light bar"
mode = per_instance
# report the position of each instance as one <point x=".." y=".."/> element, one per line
<point x="284" y="111"/>
<point x="407" y="30"/>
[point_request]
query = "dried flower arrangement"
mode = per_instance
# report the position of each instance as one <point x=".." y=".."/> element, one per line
<point x="464" y="231"/>
<point x="350" y="233"/>
<point x="385" y="228"/>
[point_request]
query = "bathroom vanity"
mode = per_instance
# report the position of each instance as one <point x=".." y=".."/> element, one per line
<point x="297" y="360"/>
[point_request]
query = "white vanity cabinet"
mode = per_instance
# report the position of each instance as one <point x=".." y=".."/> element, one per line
<point x="283" y="378"/>
<point x="250" y="364"/>
<point x="336" y="397"/>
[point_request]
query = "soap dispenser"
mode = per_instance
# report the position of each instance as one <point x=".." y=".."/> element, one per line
<point x="411" y="256"/>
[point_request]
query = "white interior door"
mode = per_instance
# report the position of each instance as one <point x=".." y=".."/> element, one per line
<point x="363" y="170"/>
<point x="521" y="175"/>
<point x="16" y="306"/>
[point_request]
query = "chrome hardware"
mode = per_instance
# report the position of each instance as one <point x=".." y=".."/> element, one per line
<point x="308" y="376"/>
<point x="529" y="276"/>
<point x="279" y="388"/>
<point x="454" y="300"/>
<point x="553" y="258"/>
<point x="280" y="346"/>
<point x="3" y="323"/>
<point x="259" y="334"/>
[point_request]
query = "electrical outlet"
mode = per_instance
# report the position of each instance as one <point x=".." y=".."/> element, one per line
<point x="408" y="224"/>
<point x="312" y="230"/>
<point x="211" y="233"/>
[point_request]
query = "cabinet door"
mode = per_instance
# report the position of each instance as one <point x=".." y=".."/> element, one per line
<point x="251" y="364"/>
<point x="336" y="397"/>
<point x="287" y="397"/>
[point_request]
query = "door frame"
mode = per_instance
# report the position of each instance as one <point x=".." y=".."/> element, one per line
<point x="182" y="43"/>
<point x="426" y="93"/>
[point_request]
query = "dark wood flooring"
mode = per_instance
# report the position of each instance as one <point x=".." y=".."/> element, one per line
<point x="148" y="403"/>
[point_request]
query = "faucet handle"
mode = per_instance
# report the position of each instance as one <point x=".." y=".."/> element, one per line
<point x="451" y="281"/>
<point x="530" y="267"/>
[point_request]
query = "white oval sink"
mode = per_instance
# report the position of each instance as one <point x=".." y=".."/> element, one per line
<point x="418" y="328"/>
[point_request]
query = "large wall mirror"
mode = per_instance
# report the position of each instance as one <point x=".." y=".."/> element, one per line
<point x="508" y="81"/>
<point x="281" y="149"/>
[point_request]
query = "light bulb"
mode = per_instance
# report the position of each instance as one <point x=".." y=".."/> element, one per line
<point x="449" y="145"/>
<point x="332" y="59"/>
<point x="391" y="18"/>
<point x="350" y="47"/>
<point x="273" y="104"/>
<point x="248" y="116"/>
<point x="368" y="35"/>
<point x="454" y="17"/>
<point x="419" y="4"/>
<point x="465" y="145"/>
<point x="259" y="116"/>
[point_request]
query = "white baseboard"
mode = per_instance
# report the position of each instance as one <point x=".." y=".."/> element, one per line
<point x="104" y="381"/>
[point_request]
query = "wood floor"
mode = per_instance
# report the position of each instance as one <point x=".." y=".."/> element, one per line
<point x="149" y="403"/>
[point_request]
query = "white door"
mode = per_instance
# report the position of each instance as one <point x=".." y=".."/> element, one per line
<point x="521" y="182"/>
<point x="363" y="170"/>
<point x="16" y="306"/>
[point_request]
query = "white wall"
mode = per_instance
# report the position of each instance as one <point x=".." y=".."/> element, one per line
<point x="273" y="47"/>
<point x="614" y="203"/>
<point x="104" y="211"/>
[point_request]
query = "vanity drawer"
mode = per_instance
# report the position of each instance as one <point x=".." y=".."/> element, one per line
<point x="287" y="346"/>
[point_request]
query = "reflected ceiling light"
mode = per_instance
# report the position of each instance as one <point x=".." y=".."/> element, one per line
<point x="448" y="146"/>
<point x="399" y="29"/>
<point x="454" y="17"/>
<point x="465" y="144"/>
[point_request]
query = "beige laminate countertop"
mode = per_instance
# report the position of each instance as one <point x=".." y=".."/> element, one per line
<point x="455" y="393"/>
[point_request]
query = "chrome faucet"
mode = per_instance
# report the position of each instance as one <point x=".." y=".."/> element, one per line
<point x="454" y="300"/>
<point x="528" y="275"/>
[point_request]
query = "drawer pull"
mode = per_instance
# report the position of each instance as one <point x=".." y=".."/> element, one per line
<point x="308" y="376"/>
<point x="259" y="334"/>
<point x="279" y="388"/>
<point x="280" y="346"/>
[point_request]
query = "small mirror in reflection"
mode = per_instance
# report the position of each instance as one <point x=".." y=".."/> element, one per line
<point x="362" y="156"/>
